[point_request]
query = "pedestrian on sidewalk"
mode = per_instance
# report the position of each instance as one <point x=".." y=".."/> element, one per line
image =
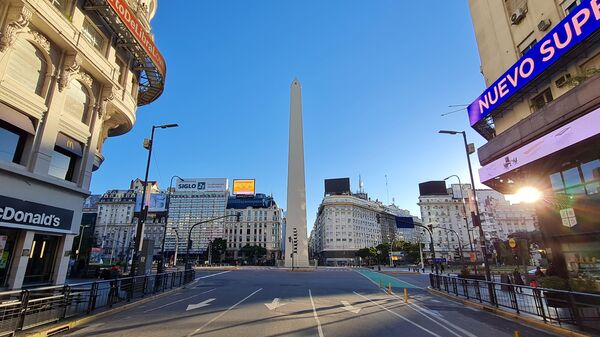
<point x="518" y="280"/>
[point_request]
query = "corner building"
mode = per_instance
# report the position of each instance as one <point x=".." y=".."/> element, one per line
<point x="540" y="116"/>
<point x="71" y="75"/>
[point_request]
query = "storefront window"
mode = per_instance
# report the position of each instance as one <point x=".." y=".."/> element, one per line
<point x="41" y="259"/>
<point x="591" y="170"/>
<point x="8" y="237"/>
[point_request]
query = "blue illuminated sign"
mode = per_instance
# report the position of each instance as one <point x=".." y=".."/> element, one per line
<point x="574" y="28"/>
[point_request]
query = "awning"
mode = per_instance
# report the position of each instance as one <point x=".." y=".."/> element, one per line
<point x="572" y="133"/>
<point x="132" y="36"/>
<point x="69" y="144"/>
<point x="16" y="119"/>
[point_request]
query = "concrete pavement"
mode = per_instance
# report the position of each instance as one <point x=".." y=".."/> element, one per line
<point x="326" y="302"/>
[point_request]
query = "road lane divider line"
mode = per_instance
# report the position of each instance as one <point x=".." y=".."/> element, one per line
<point x="319" y="328"/>
<point x="399" y="316"/>
<point x="438" y="318"/>
<point x="211" y="275"/>
<point x="181" y="300"/>
<point x="224" y="312"/>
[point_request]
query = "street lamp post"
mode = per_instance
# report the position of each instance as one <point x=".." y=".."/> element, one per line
<point x="189" y="238"/>
<point x="462" y="262"/>
<point x="462" y="198"/>
<point x="477" y="216"/>
<point x="168" y="203"/>
<point x="176" y="246"/>
<point x="431" y="246"/>
<point x="143" y="208"/>
<point x="81" y="232"/>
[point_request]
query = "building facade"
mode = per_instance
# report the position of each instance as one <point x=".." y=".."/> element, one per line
<point x="448" y="211"/>
<point x="260" y="225"/>
<point x="540" y="115"/>
<point x="71" y="74"/>
<point x="345" y="224"/>
<point x="193" y="201"/>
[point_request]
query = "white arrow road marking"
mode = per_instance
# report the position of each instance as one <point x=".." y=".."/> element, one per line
<point x="199" y="305"/>
<point x="275" y="304"/>
<point x="181" y="300"/>
<point x="223" y="313"/>
<point x="350" y="307"/>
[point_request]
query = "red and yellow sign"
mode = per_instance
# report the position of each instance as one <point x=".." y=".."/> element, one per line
<point x="135" y="27"/>
<point x="243" y="187"/>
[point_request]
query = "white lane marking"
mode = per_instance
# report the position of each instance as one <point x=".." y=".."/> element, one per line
<point x="211" y="275"/>
<point x="315" y="314"/>
<point x="436" y="301"/>
<point x="439" y="318"/>
<point x="199" y="305"/>
<point x="275" y="304"/>
<point x="350" y="307"/>
<point x="183" y="299"/>
<point x="399" y="316"/>
<point x="223" y="313"/>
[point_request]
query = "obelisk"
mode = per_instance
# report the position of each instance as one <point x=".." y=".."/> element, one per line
<point x="296" y="244"/>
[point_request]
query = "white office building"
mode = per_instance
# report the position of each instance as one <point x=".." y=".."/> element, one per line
<point x="195" y="200"/>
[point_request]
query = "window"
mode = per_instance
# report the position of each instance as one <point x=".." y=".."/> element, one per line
<point x="67" y="152"/>
<point x="62" y="5"/>
<point x="541" y="100"/>
<point x="12" y="142"/>
<point x="77" y="101"/>
<point x="524" y="49"/>
<point x="572" y="6"/>
<point x="121" y="71"/>
<point x="27" y="66"/>
<point x="62" y="164"/>
<point x="93" y="35"/>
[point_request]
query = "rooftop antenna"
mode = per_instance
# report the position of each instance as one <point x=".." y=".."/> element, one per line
<point x="360" y="185"/>
<point x="387" y="190"/>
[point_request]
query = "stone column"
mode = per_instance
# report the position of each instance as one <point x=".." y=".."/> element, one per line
<point x="296" y="189"/>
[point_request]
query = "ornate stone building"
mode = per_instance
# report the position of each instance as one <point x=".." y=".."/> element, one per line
<point x="72" y="73"/>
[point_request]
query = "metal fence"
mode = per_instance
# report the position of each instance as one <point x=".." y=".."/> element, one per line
<point x="570" y="309"/>
<point x="25" y="309"/>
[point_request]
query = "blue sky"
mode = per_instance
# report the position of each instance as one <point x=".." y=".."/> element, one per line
<point x="375" y="75"/>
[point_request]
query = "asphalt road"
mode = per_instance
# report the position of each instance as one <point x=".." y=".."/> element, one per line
<point x="328" y="302"/>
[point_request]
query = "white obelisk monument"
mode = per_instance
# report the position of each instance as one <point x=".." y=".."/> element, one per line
<point x="296" y="244"/>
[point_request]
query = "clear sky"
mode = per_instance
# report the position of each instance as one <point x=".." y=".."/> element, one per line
<point x="375" y="75"/>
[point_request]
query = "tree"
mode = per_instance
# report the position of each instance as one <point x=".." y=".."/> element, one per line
<point x="218" y="248"/>
<point x="253" y="253"/>
<point x="382" y="252"/>
<point x="365" y="254"/>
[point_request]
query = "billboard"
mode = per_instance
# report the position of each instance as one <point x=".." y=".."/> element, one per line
<point x="405" y="222"/>
<point x="201" y="185"/>
<point x="244" y="186"/>
<point x="157" y="202"/>
<point x="580" y="23"/>
<point x="433" y="188"/>
<point x="577" y="131"/>
<point x="337" y="186"/>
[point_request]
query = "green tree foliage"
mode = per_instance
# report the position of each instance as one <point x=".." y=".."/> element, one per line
<point x="253" y="253"/>
<point x="218" y="248"/>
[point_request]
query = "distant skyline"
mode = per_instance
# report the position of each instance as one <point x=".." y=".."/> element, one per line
<point x="376" y="77"/>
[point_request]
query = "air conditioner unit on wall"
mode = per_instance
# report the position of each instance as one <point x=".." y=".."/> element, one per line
<point x="544" y="25"/>
<point x="518" y="15"/>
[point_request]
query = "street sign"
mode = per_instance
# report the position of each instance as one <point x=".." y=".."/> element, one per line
<point x="512" y="243"/>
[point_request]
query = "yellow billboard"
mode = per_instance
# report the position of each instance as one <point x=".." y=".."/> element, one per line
<point x="243" y="186"/>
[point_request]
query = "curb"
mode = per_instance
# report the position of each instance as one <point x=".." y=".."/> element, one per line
<point x="67" y="326"/>
<point x="513" y="316"/>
